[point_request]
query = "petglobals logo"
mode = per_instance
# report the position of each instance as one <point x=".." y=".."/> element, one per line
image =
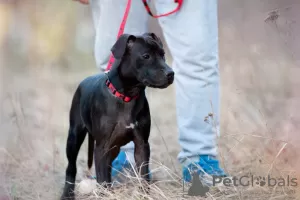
<point x="252" y="181"/>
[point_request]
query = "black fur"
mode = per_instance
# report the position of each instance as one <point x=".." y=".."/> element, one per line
<point x="95" y="110"/>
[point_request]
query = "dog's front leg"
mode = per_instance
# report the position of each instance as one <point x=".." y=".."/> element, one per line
<point x="102" y="165"/>
<point x="142" y="146"/>
<point x="75" y="139"/>
<point x="142" y="156"/>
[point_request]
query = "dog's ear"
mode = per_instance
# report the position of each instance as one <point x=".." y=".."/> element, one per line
<point x="119" y="48"/>
<point x="154" y="37"/>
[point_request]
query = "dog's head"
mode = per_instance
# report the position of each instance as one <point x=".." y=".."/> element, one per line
<point x="146" y="59"/>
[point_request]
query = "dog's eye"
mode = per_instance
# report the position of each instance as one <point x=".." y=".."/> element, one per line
<point x="146" y="56"/>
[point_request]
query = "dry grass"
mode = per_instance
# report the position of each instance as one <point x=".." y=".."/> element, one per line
<point x="33" y="159"/>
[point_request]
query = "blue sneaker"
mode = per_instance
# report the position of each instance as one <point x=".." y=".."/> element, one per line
<point x="120" y="163"/>
<point x="207" y="165"/>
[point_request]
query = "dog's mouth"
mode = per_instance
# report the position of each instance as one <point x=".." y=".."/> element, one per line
<point x="161" y="86"/>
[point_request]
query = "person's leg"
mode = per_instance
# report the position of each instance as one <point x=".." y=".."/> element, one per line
<point x="192" y="36"/>
<point x="107" y="16"/>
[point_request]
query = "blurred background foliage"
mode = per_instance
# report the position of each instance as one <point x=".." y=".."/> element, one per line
<point x="43" y="33"/>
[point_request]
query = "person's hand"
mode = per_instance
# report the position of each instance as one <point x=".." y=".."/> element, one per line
<point x="83" y="1"/>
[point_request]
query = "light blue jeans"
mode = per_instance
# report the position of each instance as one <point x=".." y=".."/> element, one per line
<point x="192" y="37"/>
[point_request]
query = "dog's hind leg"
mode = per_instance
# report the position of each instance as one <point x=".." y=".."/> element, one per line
<point x="91" y="146"/>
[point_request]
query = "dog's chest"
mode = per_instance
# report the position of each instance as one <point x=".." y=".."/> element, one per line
<point x="123" y="130"/>
<point x="124" y="118"/>
<point x="126" y="122"/>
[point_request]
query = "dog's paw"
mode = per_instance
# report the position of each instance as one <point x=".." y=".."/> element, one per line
<point x="87" y="186"/>
<point x="68" y="193"/>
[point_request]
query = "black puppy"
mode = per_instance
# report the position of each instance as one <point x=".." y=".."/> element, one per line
<point x="112" y="108"/>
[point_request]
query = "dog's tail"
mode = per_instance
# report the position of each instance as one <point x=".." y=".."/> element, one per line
<point x="90" y="151"/>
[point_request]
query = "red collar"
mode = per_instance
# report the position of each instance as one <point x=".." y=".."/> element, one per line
<point x="118" y="94"/>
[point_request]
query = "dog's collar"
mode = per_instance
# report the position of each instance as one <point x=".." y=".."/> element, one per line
<point x="112" y="88"/>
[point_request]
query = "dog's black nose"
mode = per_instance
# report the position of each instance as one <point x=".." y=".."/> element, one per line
<point x="170" y="76"/>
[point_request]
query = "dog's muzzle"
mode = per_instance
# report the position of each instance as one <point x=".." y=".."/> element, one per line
<point x="170" y="77"/>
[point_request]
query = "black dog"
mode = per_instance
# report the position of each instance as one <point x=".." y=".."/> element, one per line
<point x="112" y="108"/>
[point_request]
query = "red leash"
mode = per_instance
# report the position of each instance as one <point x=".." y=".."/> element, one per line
<point x="121" y="31"/>
<point x="122" y="26"/>
<point x="179" y="2"/>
